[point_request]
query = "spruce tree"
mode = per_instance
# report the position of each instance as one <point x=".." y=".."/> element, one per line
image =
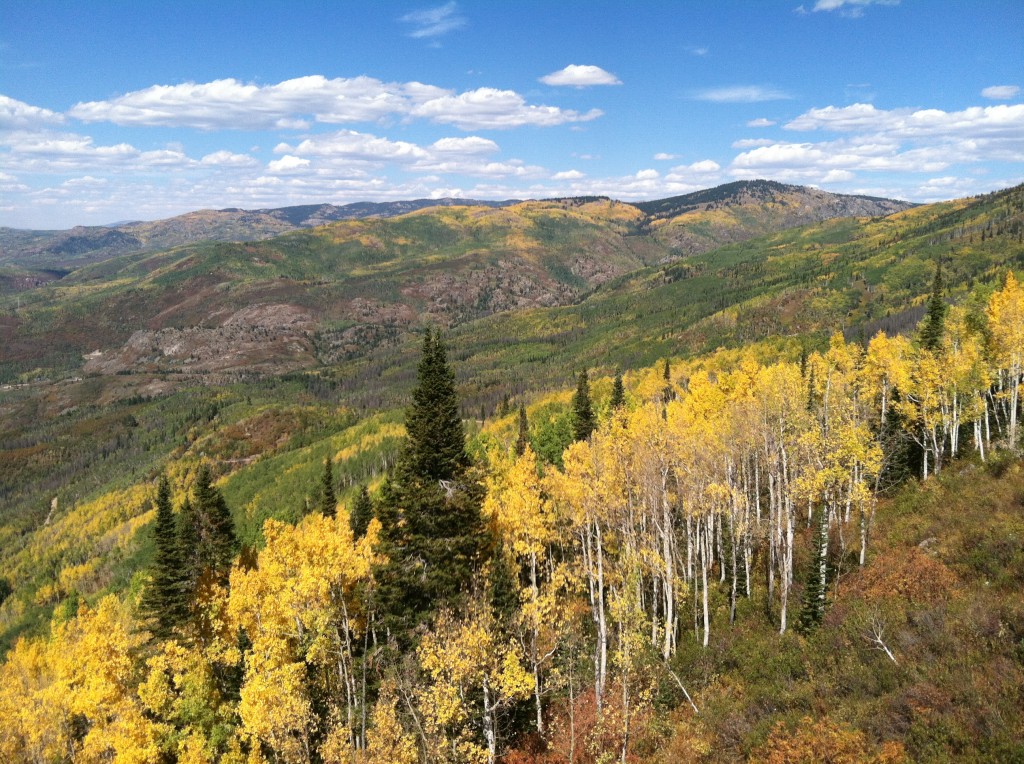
<point x="583" y="423"/>
<point x="934" y="326"/>
<point x="436" y="446"/>
<point x="362" y="513"/>
<point x="165" y="599"/>
<point x="523" y="438"/>
<point x="206" y="532"/>
<point x="813" y="606"/>
<point x="328" y="500"/>
<point x="618" y="399"/>
<point x="432" y="535"/>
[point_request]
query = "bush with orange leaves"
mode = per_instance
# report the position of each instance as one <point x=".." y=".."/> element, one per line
<point x="825" y="742"/>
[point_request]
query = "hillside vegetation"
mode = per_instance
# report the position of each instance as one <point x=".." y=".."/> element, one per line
<point x="790" y="530"/>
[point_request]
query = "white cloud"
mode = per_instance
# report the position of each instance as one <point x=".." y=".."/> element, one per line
<point x="850" y="8"/>
<point x="52" y="152"/>
<point x="742" y="94"/>
<point x="489" y="108"/>
<point x="349" y="144"/>
<point x="568" y="175"/>
<point x="974" y="123"/>
<point x="229" y="104"/>
<point x="18" y="115"/>
<point x="470" y="145"/>
<point x="760" y="122"/>
<point x="228" y="159"/>
<point x="434" y="22"/>
<point x="1001" y="92"/>
<point x="663" y="157"/>
<point x="647" y="175"/>
<point x="288" y="163"/>
<point x="580" y="76"/>
<point x="752" y="143"/>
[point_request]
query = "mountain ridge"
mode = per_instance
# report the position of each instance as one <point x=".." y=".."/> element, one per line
<point x="83" y="245"/>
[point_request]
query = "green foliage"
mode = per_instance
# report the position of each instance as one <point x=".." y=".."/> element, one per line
<point x="207" y="532"/>
<point x="432" y="534"/>
<point x="934" y="325"/>
<point x="618" y="399"/>
<point x="328" y="503"/>
<point x="523" y="431"/>
<point x="166" y="599"/>
<point x="812" y="609"/>
<point x="583" y="420"/>
<point x="362" y="512"/>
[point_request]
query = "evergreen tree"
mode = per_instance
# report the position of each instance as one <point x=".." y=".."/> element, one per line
<point x="934" y="326"/>
<point x="362" y="513"/>
<point x="436" y="447"/>
<point x="523" y="438"/>
<point x="432" y="534"/>
<point x="328" y="500"/>
<point x="618" y="399"/>
<point x="668" y="393"/>
<point x="583" y="423"/>
<point x="206" y="532"/>
<point x="165" y="599"/>
<point x="812" y="610"/>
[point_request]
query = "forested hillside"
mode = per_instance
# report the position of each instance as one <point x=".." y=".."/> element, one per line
<point x="759" y="503"/>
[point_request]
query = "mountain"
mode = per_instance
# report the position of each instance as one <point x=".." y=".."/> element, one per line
<point x="87" y="244"/>
<point x="698" y="222"/>
<point x="687" y="224"/>
<point x="571" y="278"/>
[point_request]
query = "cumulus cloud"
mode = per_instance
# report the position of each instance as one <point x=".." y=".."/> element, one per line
<point x="51" y="152"/>
<point x="18" y="115"/>
<point x="228" y="159"/>
<point x="760" y="122"/>
<point x="976" y="122"/>
<point x="568" y="175"/>
<point x="1001" y="92"/>
<point x="742" y="94"/>
<point x="663" y="157"/>
<point x="489" y="108"/>
<point x="434" y="22"/>
<point x="581" y="76"/>
<point x="229" y="104"/>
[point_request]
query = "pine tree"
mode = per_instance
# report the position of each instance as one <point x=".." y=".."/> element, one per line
<point x="813" y="607"/>
<point x="618" y="399"/>
<point x="523" y="438"/>
<point x="362" y="513"/>
<point x="206" y="532"/>
<point x="436" y="447"/>
<point x="583" y="423"/>
<point x="328" y="500"/>
<point x="165" y="599"/>
<point x="432" y="534"/>
<point x="668" y="393"/>
<point x="934" y="326"/>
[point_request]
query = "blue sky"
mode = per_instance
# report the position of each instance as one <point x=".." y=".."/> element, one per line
<point x="124" y="110"/>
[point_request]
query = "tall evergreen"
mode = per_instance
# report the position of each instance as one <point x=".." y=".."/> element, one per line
<point x="206" y="531"/>
<point x="165" y="599"/>
<point x="618" y="399"/>
<point x="523" y="437"/>
<point x="812" y="610"/>
<point x="583" y="422"/>
<point x="935" y="318"/>
<point x="328" y="499"/>
<point x="436" y="447"/>
<point x="432" y="534"/>
<point x="361" y="514"/>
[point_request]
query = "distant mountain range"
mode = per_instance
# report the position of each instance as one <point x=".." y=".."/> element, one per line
<point x="689" y="224"/>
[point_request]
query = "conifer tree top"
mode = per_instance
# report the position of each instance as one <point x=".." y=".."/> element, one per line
<point x="437" y="443"/>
